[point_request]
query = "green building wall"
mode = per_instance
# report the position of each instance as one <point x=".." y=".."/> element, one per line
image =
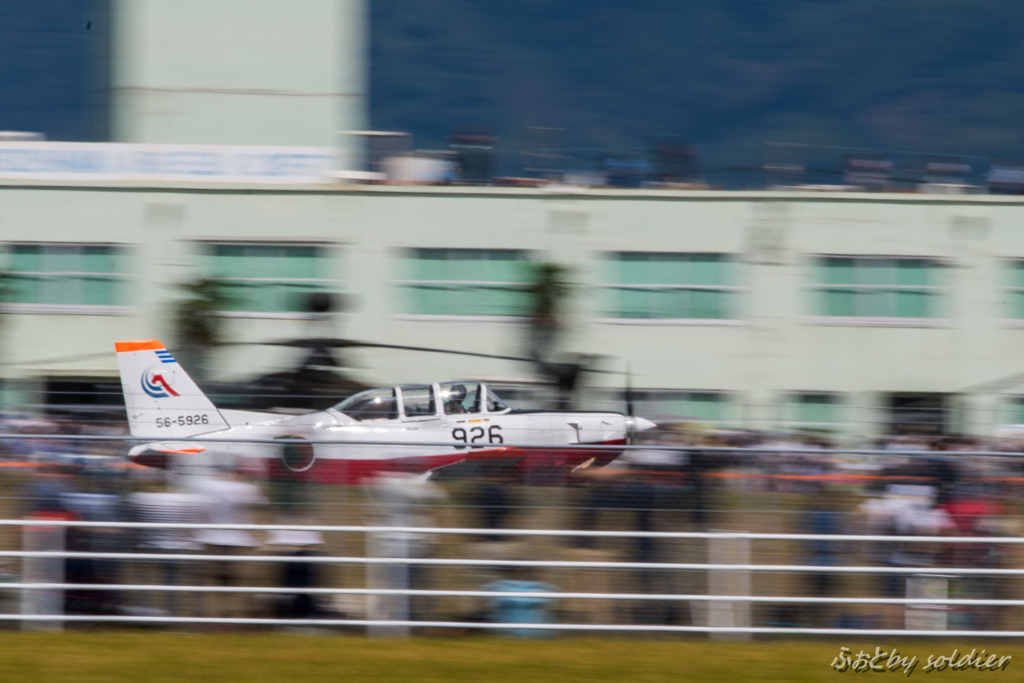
<point x="776" y="360"/>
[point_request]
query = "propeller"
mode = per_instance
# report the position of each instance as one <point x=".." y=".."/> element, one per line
<point x="634" y="424"/>
<point x="629" y="392"/>
<point x="630" y="419"/>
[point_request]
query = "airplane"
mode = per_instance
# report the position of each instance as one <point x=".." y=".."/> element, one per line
<point x="459" y="421"/>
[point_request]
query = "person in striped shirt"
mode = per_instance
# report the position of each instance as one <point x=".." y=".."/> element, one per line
<point x="168" y="507"/>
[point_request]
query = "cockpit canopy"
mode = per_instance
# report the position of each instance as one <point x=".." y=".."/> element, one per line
<point x="372" y="404"/>
<point x="423" y="401"/>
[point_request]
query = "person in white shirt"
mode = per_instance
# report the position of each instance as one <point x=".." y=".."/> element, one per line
<point x="904" y="510"/>
<point x="228" y="500"/>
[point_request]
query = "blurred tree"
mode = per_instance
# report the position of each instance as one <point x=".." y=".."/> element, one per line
<point x="198" y="328"/>
<point x="547" y="294"/>
<point x="6" y="286"/>
<point x="6" y="293"/>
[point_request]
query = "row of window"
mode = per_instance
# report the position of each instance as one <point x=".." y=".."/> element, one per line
<point x="815" y="409"/>
<point x="721" y="408"/>
<point x="65" y="274"/>
<point x="272" y="278"/>
<point x="256" y="278"/>
<point x="267" y="278"/>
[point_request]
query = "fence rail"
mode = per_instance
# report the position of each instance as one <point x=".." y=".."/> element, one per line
<point x="522" y="532"/>
<point x="513" y="626"/>
<point x="932" y="603"/>
<point x="765" y="450"/>
<point x="544" y="564"/>
<point x="557" y="595"/>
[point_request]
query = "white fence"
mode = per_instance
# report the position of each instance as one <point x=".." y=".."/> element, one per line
<point x="730" y="617"/>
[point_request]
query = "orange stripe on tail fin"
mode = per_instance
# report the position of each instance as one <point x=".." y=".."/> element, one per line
<point x="145" y="345"/>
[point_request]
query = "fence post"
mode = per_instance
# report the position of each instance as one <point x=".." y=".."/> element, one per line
<point x="387" y="576"/>
<point x="731" y="582"/>
<point x="927" y="617"/>
<point x="43" y="570"/>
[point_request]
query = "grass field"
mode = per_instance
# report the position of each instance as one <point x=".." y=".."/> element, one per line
<point x="112" y="656"/>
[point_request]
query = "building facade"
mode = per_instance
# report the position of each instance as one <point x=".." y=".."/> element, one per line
<point x="239" y="72"/>
<point x="851" y="313"/>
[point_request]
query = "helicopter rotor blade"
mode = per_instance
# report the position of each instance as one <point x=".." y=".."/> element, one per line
<point x="329" y="343"/>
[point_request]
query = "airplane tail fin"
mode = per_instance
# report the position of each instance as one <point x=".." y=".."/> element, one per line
<point x="161" y="399"/>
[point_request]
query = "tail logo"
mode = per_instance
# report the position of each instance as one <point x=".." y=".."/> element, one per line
<point x="158" y="384"/>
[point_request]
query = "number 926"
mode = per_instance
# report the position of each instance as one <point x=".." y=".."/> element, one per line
<point x="477" y="434"/>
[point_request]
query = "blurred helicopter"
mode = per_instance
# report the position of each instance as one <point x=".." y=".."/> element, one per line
<point x="317" y="381"/>
<point x="419" y="428"/>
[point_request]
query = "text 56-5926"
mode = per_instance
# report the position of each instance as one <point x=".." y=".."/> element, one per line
<point x="182" y="421"/>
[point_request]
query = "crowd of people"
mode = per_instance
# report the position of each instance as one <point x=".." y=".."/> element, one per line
<point x="682" y="480"/>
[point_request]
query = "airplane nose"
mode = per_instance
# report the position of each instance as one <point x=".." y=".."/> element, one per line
<point x="639" y="424"/>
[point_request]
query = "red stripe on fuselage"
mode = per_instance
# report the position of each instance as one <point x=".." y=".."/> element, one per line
<point x="348" y="471"/>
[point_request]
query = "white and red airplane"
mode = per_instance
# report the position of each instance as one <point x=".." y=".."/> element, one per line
<point x="425" y="427"/>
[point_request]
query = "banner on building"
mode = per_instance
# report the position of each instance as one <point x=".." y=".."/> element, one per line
<point x="195" y="163"/>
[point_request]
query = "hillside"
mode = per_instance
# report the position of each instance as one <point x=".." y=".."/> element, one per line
<point x="935" y="75"/>
<point x="931" y="75"/>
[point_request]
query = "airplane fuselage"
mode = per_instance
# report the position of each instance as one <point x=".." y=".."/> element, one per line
<point x="405" y="444"/>
<point x="410" y="429"/>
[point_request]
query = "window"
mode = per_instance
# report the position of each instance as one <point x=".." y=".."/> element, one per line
<point x="460" y="397"/>
<point x="647" y="285"/>
<point x="920" y="413"/>
<point x="267" y="278"/>
<point x="1014" y="411"/>
<point x="494" y="404"/>
<point x="8" y="397"/>
<point x="367" y="406"/>
<point x="418" y="401"/>
<point x="521" y="397"/>
<point x="813" y="408"/>
<point x="66" y="274"/>
<point x="697" y="406"/>
<point x="476" y="282"/>
<point x="868" y="287"/>
<point x="1015" y="290"/>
